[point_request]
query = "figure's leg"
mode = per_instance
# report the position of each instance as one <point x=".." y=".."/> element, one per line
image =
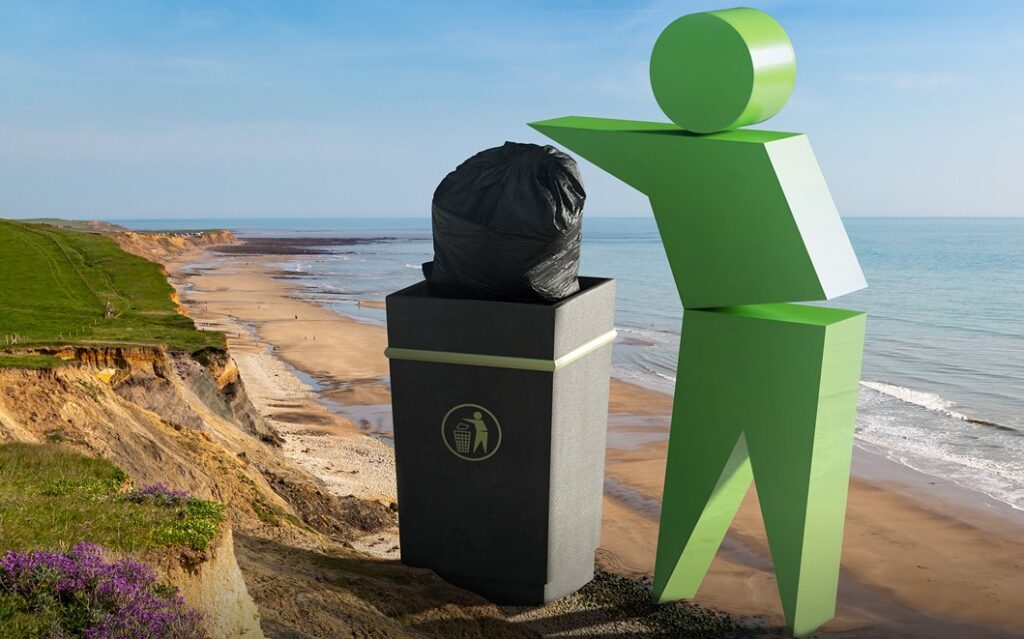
<point x="708" y="472"/>
<point x="787" y="376"/>
<point x="800" y="455"/>
<point x="698" y="505"/>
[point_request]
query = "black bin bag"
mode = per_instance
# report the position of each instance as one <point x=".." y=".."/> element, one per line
<point x="507" y="226"/>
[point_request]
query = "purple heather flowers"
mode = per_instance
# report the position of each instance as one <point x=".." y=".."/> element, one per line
<point x="80" y="595"/>
<point x="160" y="494"/>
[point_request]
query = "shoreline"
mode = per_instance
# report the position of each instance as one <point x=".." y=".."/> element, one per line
<point x="900" y="524"/>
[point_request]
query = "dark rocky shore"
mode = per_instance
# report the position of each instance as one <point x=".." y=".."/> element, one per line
<point x="295" y="245"/>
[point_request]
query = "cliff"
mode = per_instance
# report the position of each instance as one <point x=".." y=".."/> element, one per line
<point x="172" y="418"/>
<point x="161" y="247"/>
<point x="216" y="586"/>
<point x="186" y="422"/>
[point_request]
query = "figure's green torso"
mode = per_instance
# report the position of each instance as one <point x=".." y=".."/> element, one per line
<point x="745" y="215"/>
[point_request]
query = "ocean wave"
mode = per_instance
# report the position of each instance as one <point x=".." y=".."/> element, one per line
<point x="658" y="362"/>
<point x="929" y="401"/>
<point x="630" y="340"/>
<point x="670" y="336"/>
<point x="646" y="364"/>
<point x="937" y="453"/>
<point x="660" y="375"/>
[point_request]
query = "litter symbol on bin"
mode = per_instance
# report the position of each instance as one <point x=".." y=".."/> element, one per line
<point x="471" y="432"/>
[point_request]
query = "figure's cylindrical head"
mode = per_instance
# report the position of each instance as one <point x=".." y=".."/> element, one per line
<point x="722" y="69"/>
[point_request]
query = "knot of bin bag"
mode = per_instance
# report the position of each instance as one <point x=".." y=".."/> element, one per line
<point x="507" y="226"/>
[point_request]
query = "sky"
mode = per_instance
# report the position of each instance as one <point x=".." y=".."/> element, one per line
<point x="139" y="109"/>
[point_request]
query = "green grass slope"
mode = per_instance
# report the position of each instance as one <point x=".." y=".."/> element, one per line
<point x="86" y="226"/>
<point x="55" y="285"/>
<point x="52" y="498"/>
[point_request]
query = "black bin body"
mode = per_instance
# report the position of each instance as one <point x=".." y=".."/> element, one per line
<point x="500" y="417"/>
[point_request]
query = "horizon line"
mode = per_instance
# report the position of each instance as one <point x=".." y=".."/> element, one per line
<point x="427" y="217"/>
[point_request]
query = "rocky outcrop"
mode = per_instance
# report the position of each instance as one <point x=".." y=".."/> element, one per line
<point x="218" y="383"/>
<point x="123" y="359"/>
<point x="215" y="586"/>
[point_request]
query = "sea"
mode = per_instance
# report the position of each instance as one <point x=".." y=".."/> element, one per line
<point x="942" y="387"/>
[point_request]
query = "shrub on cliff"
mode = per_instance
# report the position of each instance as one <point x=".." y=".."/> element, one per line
<point x="159" y="494"/>
<point x="196" y="521"/>
<point x="80" y="595"/>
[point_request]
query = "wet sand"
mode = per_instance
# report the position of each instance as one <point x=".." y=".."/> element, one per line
<point x="920" y="558"/>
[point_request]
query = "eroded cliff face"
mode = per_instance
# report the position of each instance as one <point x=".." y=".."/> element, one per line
<point x="161" y="247"/>
<point x="184" y="421"/>
<point x="215" y="586"/>
<point x="184" y="390"/>
<point x="179" y="419"/>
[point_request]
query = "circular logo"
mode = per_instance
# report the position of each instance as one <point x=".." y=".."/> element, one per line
<point x="471" y="432"/>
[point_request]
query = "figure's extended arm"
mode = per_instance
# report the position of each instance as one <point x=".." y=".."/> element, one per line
<point x="745" y="215"/>
<point x="641" y="154"/>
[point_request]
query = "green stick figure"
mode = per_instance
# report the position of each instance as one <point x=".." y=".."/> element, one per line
<point x="767" y="390"/>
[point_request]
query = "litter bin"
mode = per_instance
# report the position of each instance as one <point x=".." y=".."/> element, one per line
<point x="500" y="416"/>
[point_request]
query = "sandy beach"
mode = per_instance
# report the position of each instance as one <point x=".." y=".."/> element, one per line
<point x="921" y="558"/>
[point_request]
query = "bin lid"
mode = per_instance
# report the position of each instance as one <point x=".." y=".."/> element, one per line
<point x="421" y="320"/>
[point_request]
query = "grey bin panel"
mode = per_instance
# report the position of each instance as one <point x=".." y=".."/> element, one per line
<point x="522" y="525"/>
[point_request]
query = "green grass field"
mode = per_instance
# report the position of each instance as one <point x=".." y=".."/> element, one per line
<point x="52" y="498"/>
<point x="55" y="285"/>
